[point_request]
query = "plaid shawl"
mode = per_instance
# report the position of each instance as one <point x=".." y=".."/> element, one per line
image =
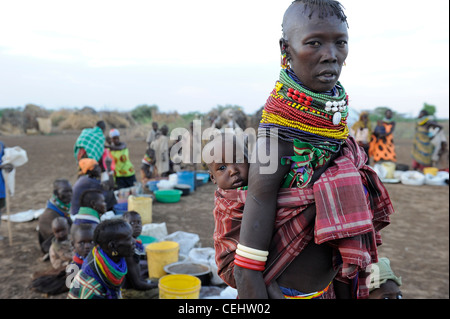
<point x="92" y="141"/>
<point x="348" y="217"/>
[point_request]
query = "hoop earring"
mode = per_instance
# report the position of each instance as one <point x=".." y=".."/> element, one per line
<point x="284" y="59"/>
<point x="114" y="253"/>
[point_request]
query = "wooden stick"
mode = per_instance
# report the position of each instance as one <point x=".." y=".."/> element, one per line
<point x="7" y="210"/>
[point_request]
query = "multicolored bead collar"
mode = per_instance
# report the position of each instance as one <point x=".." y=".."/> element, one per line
<point x="319" y="119"/>
<point x="336" y="105"/>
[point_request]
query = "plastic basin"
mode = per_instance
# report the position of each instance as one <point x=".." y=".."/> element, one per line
<point x="168" y="195"/>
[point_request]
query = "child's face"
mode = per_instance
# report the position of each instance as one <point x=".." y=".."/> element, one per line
<point x="225" y="172"/>
<point x="83" y="242"/>
<point x="229" y="175"/>
<point x="317" y="49"/>
<point x="136" y="223"/>
<point x="388" y="290"/>
<point x="61" y="231"/>
<point x="116" y="140"/>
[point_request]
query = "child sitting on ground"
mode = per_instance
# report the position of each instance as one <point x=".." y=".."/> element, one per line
<point x="136" y="285"/>
<point x="82" y="236"/>
<point x="60" y="250"/>
<point x="53" y="281"/>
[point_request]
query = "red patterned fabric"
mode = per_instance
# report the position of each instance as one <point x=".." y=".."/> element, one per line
<point x="348" y="217"/>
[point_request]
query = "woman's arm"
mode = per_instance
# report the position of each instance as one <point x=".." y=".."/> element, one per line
<point x="134" y="278"/>
<point x="260" y="211"/>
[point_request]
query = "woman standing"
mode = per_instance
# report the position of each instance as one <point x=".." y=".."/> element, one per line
<point x="382" y="146"/>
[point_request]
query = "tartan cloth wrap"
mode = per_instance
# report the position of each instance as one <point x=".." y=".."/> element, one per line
<point x="345" y="218"/>
<point x="92" y="141"/>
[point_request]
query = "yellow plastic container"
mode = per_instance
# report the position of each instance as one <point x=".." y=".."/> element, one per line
<point x="179" y="287"/>
<point x="390" y="169"/>
<point x="159" y="255"/>
<point x="430" y="170"/>
<point x="142" y="205"/>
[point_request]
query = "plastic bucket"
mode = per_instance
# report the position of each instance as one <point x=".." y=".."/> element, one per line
<point x="179" y="287"/>
<point x="142" y="205"/>
<point x="152" y="185"/>
<point x="120" y="208"/>
<point x="187" y="177"/>
<point x="390" y="168"/>
<point x="159" y="255"/>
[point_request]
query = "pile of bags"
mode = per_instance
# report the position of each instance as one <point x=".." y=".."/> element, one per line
<point x="431" y="176"/>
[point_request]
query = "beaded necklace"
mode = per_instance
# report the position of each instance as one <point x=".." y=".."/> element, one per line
<point x="320" y="119"/>
<point x="108" y="273"/>
<point x="58" y="203"/>
<point x="77" y="259"/>
<point x="113" y="272"/>
<point x="315" y="123"/>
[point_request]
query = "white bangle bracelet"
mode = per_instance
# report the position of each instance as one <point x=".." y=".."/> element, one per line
<point x="258" y="252"/>
<point x="250" y="256"/>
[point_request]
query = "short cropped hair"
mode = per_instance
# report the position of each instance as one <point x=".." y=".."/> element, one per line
<point x="324" y="9"/>
<point x="107" y="230"/>
<point x="89" y="195"/>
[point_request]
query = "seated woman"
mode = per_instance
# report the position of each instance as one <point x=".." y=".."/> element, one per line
<point x="89" y="178"/>
<point x="105" y="267"/>
<point x="93" y="206"/>
<point x="57" y="206"/>
<point x="136" y="284"/>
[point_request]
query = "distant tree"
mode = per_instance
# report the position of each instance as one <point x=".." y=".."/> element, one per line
<point x="431" y="109"/>
<point x="143" y="113"/>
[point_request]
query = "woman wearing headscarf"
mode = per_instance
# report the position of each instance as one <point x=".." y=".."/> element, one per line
<point x="423" y="146"/>
<point x="104" y="269"/>
<point x="124" y="173"/>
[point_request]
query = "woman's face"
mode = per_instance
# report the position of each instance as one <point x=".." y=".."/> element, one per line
<point x="100" y="204"/>
<point x="124" y="242"/>
<point x="316" y="48"/>
<point x="64" y="193"/>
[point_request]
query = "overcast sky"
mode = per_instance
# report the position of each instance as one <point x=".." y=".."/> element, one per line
<point x="194" y="55"/>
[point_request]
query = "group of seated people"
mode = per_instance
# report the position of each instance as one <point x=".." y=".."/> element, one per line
<point x="83" y="250"/>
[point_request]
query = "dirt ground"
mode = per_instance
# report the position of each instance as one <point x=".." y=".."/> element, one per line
<point x="417" y="241"/>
